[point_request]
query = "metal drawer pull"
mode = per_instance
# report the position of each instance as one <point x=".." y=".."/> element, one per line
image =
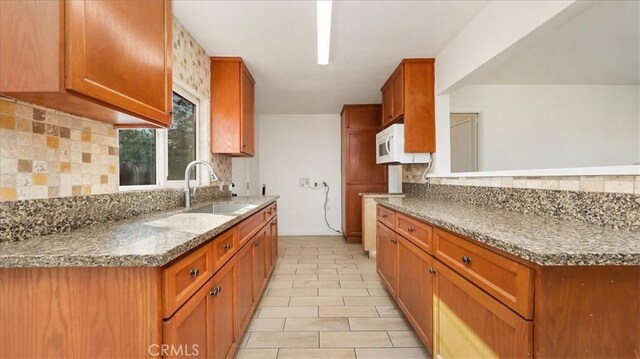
<point x="466" y="260"/>
<point x="410" y="229"/>
<point x="257" y="243"/>
<point x="227" y="246"/>
<point x="385" y="216"/>
<point x="432" y="271"/>
<point x="214" y="292"/>
<point x="194" y="272"/>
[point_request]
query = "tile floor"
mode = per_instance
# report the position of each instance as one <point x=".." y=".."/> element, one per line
<point x="325" y="300"/>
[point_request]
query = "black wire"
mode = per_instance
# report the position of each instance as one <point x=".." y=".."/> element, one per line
<point x="326" y="201"/>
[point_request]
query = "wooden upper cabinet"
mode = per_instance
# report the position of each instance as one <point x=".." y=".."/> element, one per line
<point x="106" y="60"/>
<point x="232" y="107"/>
<point x="408" y="97"/>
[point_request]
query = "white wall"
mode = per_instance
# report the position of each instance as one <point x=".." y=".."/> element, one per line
<point x="553" y="126"/>
<point x="294" y="146"/>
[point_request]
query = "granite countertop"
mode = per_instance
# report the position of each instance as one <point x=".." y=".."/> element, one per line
<point x="149" y="241"/>
<point x="541" y="240"/>
<point x="381" y="195"/>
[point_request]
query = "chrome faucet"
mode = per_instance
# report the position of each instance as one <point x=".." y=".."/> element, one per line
<point x="187" y="172"/>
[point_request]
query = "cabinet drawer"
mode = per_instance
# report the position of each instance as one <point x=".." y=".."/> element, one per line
<point x="386" y="216"/>
<point x="272" y="210"/>
<point x="506" y="280"/>
<point x="184" y="277"/>
<point x="417" y="232"/>
<point x="224" y="246"/>
<point x="249" y="226"/>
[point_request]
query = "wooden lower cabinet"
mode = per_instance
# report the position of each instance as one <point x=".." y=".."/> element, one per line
<point x="260" y="270"/>
<point x="471" y="324"/>
<point x="274" y="240"/>
<point x="245" y="300"/>
<point x="386" y="253"/>
<point x="205" y="325"/>
<point x="414" y="289"/>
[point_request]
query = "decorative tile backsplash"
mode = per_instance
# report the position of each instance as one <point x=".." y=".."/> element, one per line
<point x="607" y="184"/>
<point x="46" y="153"/>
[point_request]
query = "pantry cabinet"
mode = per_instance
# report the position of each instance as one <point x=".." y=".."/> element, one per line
<point x="105" y="60"/>
<point x="408" y="96"/>
<point x="232" y="107"/>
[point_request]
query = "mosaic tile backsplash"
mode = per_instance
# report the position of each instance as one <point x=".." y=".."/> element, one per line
<point x="46" y="153"/>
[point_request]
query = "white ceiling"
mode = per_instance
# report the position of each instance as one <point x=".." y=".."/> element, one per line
<point x="591" y="43"/>
<point x="277" y="40"/>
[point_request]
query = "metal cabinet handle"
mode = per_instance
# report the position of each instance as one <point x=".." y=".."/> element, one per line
<point x="410" y="229"/>
<point x="219" y="289"/>
<point x="432" y="271"/>
<point x="466" y="260"/>
<point x="257" y="243"/>
<point x="385" y="216"/>
<point x="214" y="292"/>
<point x="194" y="272"/>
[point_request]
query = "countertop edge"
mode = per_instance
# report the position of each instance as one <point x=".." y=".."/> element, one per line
<point x="126" y="260"/>
<point x="565" y="259"/>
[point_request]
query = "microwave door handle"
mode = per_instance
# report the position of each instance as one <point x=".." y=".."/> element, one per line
<point x="386" y="144"/>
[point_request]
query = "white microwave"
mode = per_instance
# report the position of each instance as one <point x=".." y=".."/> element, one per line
<point x="390" y="148"/>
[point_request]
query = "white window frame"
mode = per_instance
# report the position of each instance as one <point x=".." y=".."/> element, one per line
<point x="202" y="144"/>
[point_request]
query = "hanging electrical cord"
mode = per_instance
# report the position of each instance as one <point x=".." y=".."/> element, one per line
<point x="326" y="202"/>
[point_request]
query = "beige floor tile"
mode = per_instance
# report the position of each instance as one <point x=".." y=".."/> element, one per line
<point x="301" y="256"/>
<point x="354" y="340"/>
<point x="368" y="301"/>
<point x="288" y="260"/>
<point x="243" y="340"/>
<point x="316" y="261"/>
<point x="293" y="292"/>
<point x="389" y="311"/>
<point x="256" y="354"/>
<point x="355" y="270"/>
<point x="317" y="271"/>
<point x="340" y="277"/>
<point x="283" y="340"/>
<point x="287" y="277"/>
<point x="280" y="284"/>
<point x="322" y="353"/>
<point x="348" y="312"/>
<point x="315" y="301"/>
<point x="378" y="292"/>
<point x="316" y="284"/>
<point x="405" y="339"/>
<point x="316" y="324"/>
<point x="336" y="256"/>
<point x="284" y="271"/>
<point x="374" y="276"/>
<point x="288" y="312"/>
<point x="296" y="266"/>
<point x="360" y="284"/>
<point x="337" y="266"/>
<point x="266" y="325"/>
<point x="274" y="302"/>
<point x="342" y="292"/>
<point x="361" y="324"/>
<point x="386" y="353"/>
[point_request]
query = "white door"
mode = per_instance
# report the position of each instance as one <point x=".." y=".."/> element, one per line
<point x="464" y="142"/>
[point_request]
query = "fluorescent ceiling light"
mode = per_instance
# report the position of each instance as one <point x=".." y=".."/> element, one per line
<point x="323" y="20"/>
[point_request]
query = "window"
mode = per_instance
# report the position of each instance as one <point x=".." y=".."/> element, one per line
<point x="159" y="157"/>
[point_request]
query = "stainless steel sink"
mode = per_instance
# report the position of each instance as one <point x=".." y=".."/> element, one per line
<point x="221" y="208"/>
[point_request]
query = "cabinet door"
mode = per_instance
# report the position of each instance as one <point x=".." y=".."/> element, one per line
<point x="398" y="93"/>
<point x="414" y="292"/>
<point x="221" y="313"/>
<point x="244" y="285"/>
<point x="268" y="259"/>
<point x="386" y="254"/>
<point x="387" y="104"/>
<point x="188" y="332"/>
<point x="353" y="209"/>
<point x="471" y="324"/>
<point x="119" y="52"/>
<point x="274" y="240"/>
<point x="361" y="167"/>
<point x="259" y="262"/>
<point x="248" y="113"/>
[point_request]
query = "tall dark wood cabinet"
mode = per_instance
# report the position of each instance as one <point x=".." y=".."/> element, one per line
<point x="360" y="173"/>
